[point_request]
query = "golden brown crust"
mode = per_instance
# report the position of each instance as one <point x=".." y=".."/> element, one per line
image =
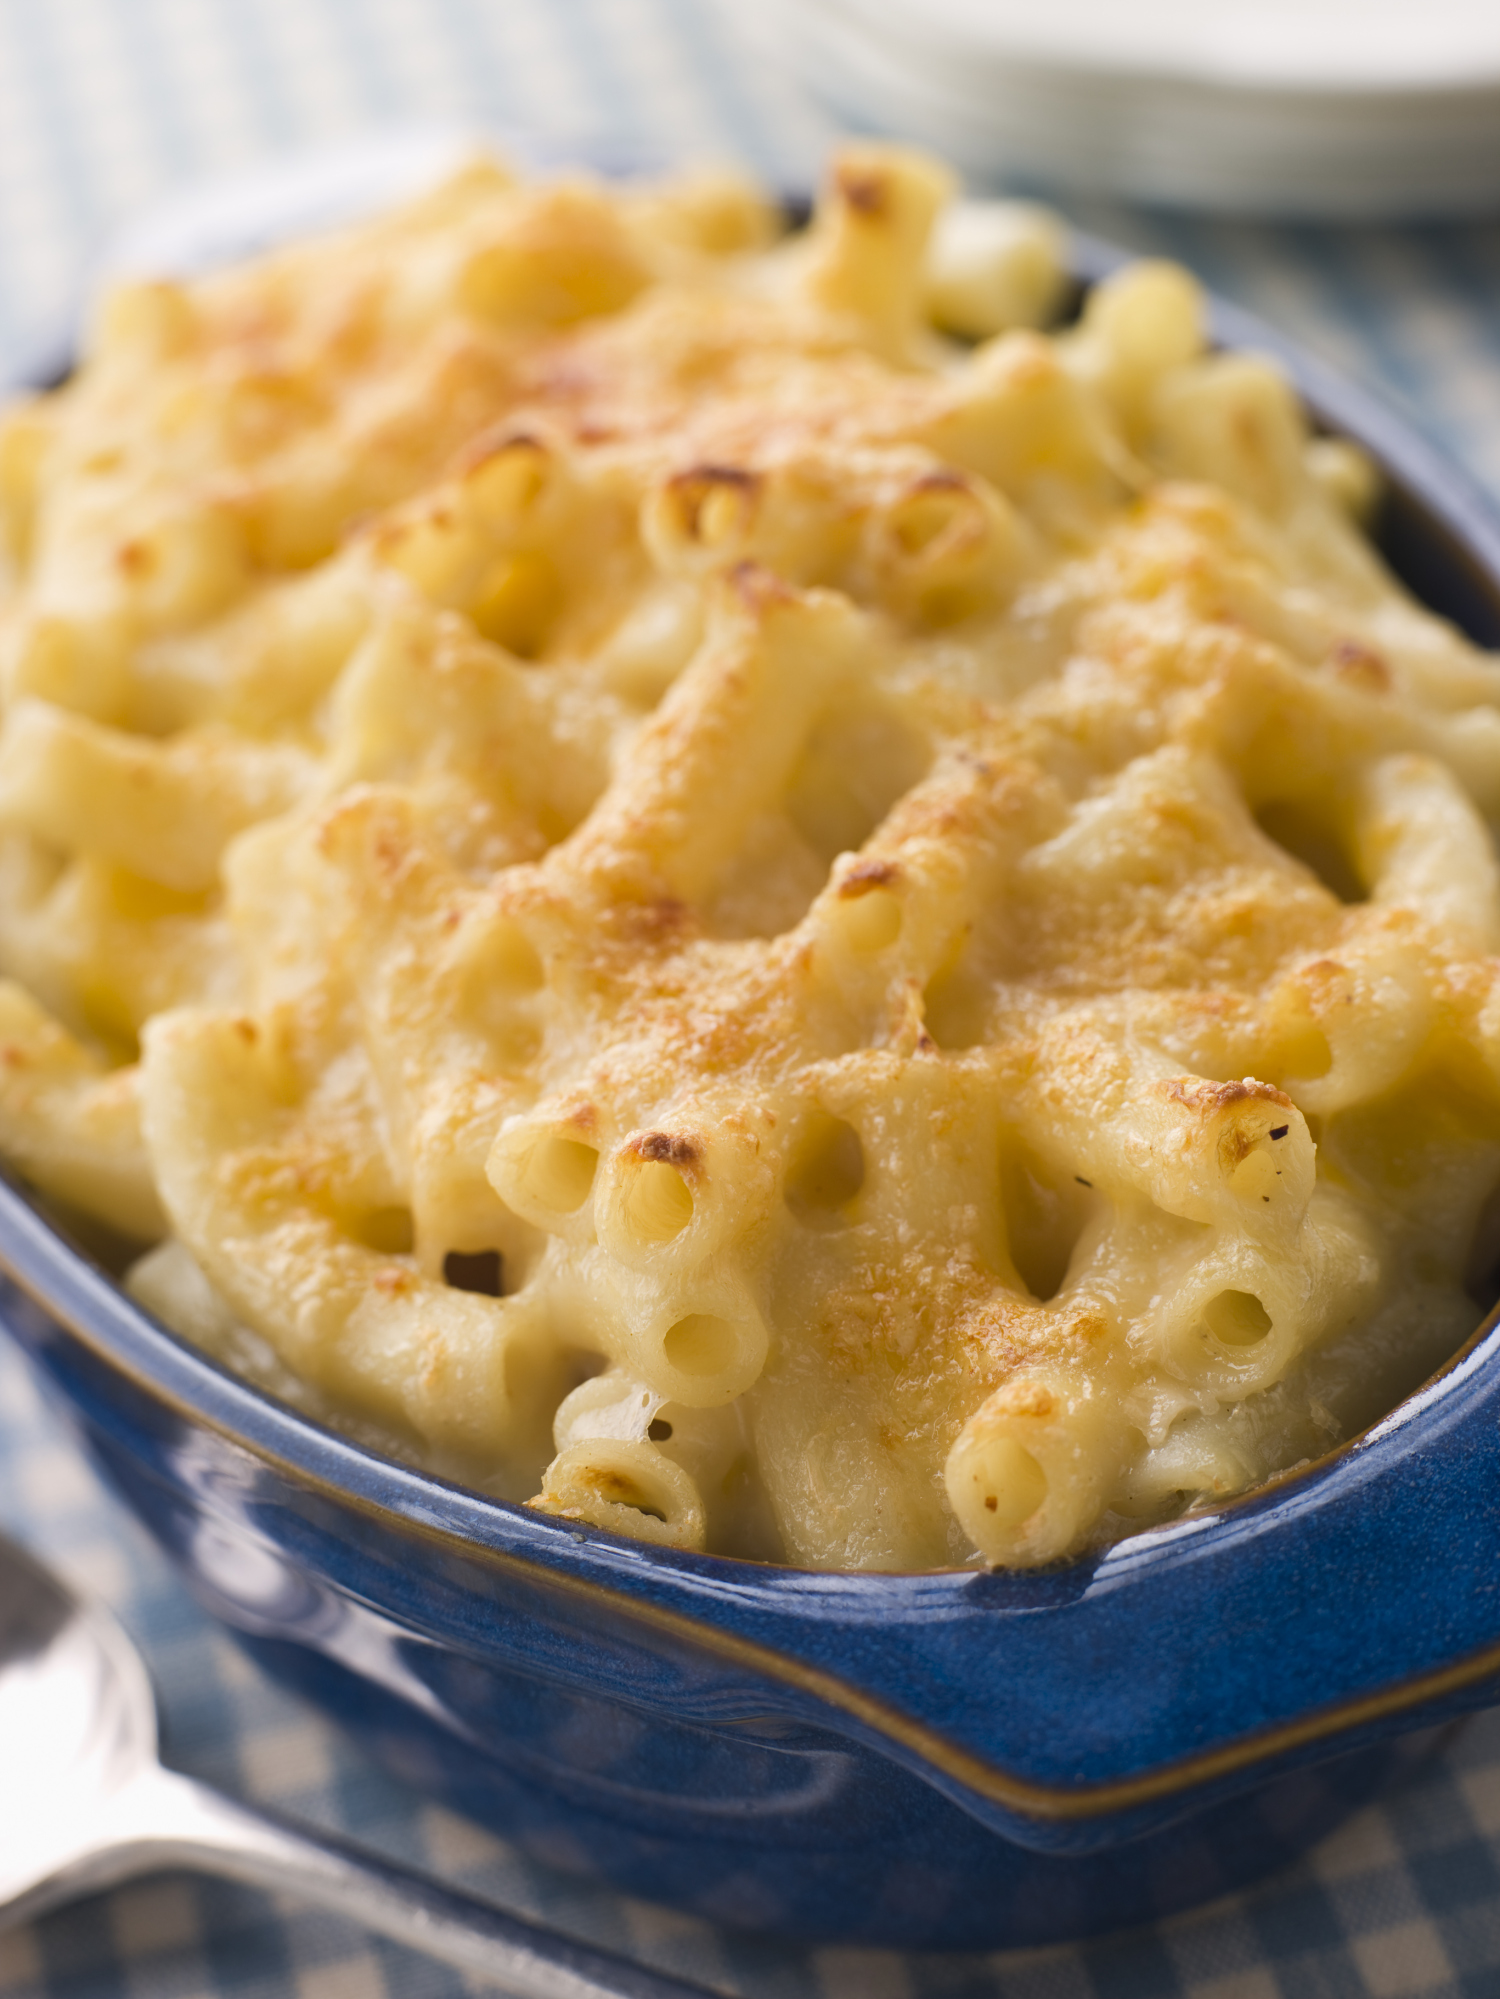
<point x="928" y="914"/>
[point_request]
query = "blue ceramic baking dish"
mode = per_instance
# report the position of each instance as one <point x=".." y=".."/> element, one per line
<point x="956" y="1759"/>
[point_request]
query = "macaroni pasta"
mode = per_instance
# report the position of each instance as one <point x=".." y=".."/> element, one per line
<point x="643" y="879"/>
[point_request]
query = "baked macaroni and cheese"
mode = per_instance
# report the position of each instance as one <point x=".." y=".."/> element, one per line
<point x="646" y="878"/>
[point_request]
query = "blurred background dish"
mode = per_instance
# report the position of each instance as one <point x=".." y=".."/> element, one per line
<point x="1326" y="109"/>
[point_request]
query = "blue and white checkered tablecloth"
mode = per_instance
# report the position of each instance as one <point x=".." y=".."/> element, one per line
<point x="105" y="106"/>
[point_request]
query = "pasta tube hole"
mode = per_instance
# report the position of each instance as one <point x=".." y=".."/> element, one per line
<point x="920" y="522"/>
<point x="701" y="1345"/>
<point x="1012" y="1483"/>
<point x="1304" y="1050"/>
<point x="559" y="1174"/>
<point x="1311" y="838"/>
<point x="507" y="484"/>
<point x="944" y="548"/>
<point x="480" y="1270"/>
<point x="1254" y="1179"/>
<point x="827" y="1172"/>
<point x="720" y="518"/>
<point x="702" y="1360"/>
<point x="1237" y="1319"/>
<point x="1045" y="1214"/>
<point x="621" y="1491"/>
<point x="1029" y="1471"/>
<point x="626" y="1486"/>
<point x="658" y="1204"/>
<point x="516" y="602"/>
<point x="711" y="507"/>
<point x="701" y="519"/>
<point x="870" y="922"/>
<point x="956" y="1005"/>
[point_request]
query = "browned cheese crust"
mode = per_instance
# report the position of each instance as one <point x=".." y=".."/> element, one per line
<point x="675" y="894"/>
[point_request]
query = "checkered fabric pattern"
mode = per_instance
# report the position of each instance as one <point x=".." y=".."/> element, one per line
<point x="107" y="105"/>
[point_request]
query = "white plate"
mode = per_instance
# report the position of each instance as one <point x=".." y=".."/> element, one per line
<point x="1335" y="108"/>
<point x="1338" y="46"/>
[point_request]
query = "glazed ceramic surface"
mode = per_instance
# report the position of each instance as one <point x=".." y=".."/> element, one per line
<point x="957" y="1759"/>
